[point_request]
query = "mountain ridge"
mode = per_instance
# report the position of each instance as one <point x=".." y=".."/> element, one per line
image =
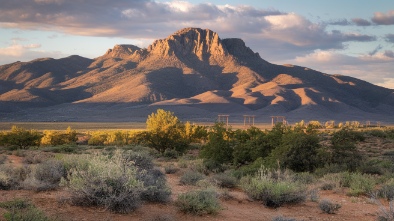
<point x="192" y="69"/>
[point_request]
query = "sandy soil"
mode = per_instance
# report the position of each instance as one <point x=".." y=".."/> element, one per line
<point x="239" y="207"/>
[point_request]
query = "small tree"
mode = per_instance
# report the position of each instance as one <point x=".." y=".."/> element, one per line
<point x="219" y="148"/>
<point x="21" y="137"/>
<point x="164" y="132"/>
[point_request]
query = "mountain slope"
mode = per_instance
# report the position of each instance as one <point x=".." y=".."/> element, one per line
<point x="192" y="69"/>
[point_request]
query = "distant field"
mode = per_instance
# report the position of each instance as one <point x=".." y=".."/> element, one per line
<point x="83" y="126"/>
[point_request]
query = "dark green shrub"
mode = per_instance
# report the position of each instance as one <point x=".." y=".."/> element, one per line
<point x="219" y="148"/>
<point x="198" y="202"/>
<point x="329" y="207"/>
<point x="21" y="138"/>
<point x="346" y="137"/>
<point x="191" y="177"/>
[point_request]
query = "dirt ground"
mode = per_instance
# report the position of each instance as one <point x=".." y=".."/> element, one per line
<point x="239" y="207"/>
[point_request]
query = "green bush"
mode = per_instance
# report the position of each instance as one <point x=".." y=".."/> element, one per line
<point x="20" y="137"/>
<point x="22" y="210"/>
<point x="191" y="177"/>
<point x="198" y="202"/>
<point x="273" y="192"/>
<point x="329" y="207"/>
<point x="105" y="181"/>
<point x="224" y="180"/>
<point x="361" y="184"/>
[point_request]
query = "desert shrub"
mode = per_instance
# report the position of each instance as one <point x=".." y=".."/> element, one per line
<point x="12" y="177"/>
<point x="55" y="138"/>
<point x="387" y="190"/>
<point x="387" y="214"/>
<point x="224" y="180"/>
<point x="191" y="177"/>
<point x="273" y="189"/>
<point x="65" y="148"/>
<point x="22" y="210"/>
<point x="281" y="218"/>
<point x="361" y="184"/>
<point x="171" y="169"/>
<point x="104" y="181"/>
<point x="3" y="158"/>
<point x="142" y="160"/>
<point x="304" y="178"/>
<point x="45" y="176"/>
<point x="21" y="138"/>
<point x="198" y="202"/>
<point x="377" y="133"/>
<point x="36" y="157"/>
<point x="346" y="137"/>
<point x="314" y="195"/>
<point x="329" y="207"/>
<point x="155" y="187"/>
<point x="250" y="169"/>
<point x="171" y="154"/>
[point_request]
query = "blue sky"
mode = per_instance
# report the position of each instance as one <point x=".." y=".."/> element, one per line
<point x="352" y="37"/>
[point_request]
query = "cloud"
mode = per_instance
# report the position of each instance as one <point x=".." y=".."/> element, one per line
<point x="27" y="52"/>
<point x="374" y="51"/>
<point x="389" y="38"/>
<point x="148" y="19"/>
<point x="340" y="22"/>
<point x="376" y="68"/>
<point x="384" y="19"/>
<point x="361" y="22"/>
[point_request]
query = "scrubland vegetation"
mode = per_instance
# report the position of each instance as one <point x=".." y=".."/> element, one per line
<point x="123" y="170"/>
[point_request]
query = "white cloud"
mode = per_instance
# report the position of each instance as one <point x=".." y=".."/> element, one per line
<point x="375" y="68"/>
<point x="19" y="52"/>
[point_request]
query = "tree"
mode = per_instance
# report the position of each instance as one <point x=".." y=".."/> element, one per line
<point x="164" y="132"/>
<point x="219" y="148"/>
<point x="21" y="137"/>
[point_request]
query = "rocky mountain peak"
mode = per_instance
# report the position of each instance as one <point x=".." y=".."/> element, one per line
<point x="123" y="51"/>
<point x="202" y="43"/>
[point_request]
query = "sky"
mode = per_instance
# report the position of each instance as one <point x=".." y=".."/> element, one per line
<point x="352" y="37"/>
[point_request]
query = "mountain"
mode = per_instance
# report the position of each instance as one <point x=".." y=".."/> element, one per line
<point x="192" y="72"/>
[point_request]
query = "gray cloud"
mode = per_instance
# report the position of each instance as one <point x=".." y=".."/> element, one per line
<point x="389" y="54"/>
<point x="275" y="35"/>
<point x="340" y="22"/>
<point x="389" y="38"/>
<point x="384" y="19"/>
<point x="361" y="22"/>
<point x="376" y="50"/>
